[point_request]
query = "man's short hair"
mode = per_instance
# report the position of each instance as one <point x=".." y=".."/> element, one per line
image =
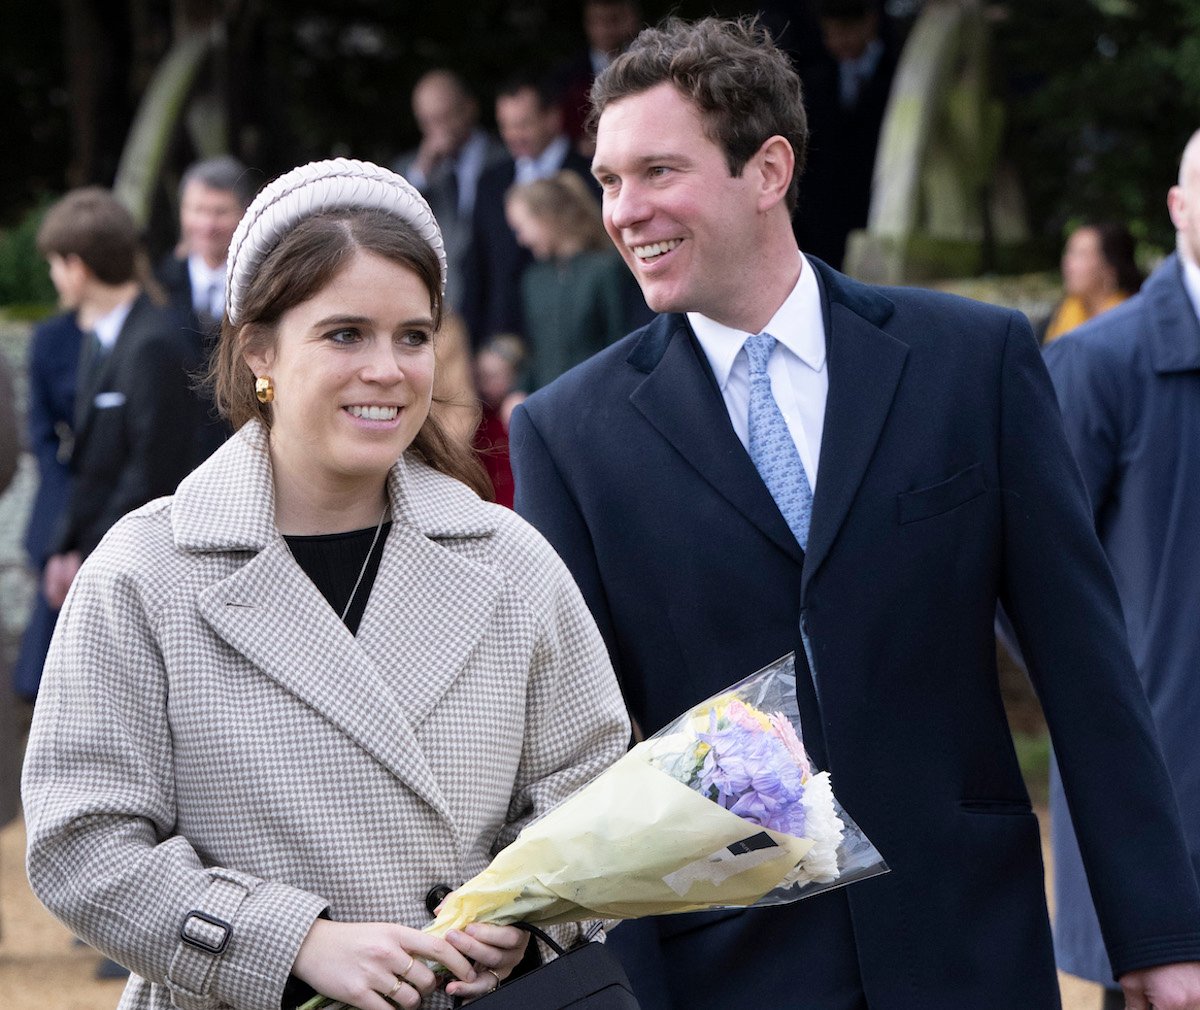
<point x="847" y="10"/>
<point x="548" y="98"/>
<point x="92" y="224"/>
<point x="743" y="84"/>
<point x="224" y="173"/>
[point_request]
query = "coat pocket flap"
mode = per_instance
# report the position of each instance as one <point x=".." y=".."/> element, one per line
<point x="927" y="502"/>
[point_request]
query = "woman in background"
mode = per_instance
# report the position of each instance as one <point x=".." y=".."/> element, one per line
<point x="577" y="294"/>
<point x="1098" y="272"/>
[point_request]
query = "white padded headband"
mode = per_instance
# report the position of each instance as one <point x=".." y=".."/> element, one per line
<point x="313" y="189"/>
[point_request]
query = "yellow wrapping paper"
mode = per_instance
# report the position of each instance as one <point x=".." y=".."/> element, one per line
<point x="632" y="842"/>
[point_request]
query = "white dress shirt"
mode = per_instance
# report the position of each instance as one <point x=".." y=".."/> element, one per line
<point x="108" y="326"/>
<point x="545" y="164"/>
<point x="208" y="287"/>
<point x="799" y="378"/>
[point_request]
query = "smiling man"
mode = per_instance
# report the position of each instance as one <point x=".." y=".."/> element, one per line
<point x="787" y="460"/>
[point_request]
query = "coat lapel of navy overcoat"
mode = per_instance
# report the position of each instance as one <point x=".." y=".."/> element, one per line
<point x="865" y="365"/>
<point x="680" y="399"/>
<point x="1174" y="328"/>
<point x="415" y="635"/>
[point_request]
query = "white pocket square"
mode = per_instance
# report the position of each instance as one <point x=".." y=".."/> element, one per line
<point x="104" y="400"/>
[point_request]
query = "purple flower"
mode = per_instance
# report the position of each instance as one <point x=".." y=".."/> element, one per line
<point x="751" y="773"/>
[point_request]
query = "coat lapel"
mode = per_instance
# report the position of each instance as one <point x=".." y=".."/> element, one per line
<point x="428" y="608"/>
<point x="679" y="398"/>
<point x="430" y="605"/>
<point x="271" y="614"/>
<point x="1174" y="329"/>
<point x="865" y="365"/>
<point x="95" y="377"/>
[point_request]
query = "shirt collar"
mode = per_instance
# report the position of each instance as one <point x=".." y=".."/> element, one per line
<point x="108" y="326"/>
<point x="797" y="324"/>
<point x="546" y="163"/>
<point x="1191" y="281"/>
<point x="202" y="275"/>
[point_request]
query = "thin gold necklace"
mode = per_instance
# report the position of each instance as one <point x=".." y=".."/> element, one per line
<point x="366" y="561"/>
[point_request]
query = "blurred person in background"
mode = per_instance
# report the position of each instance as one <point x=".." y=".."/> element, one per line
<point x="529" y="117"/>
<point x="445" y="167"/>
<point x="213" y="195"/>
<point x="1128" y="385"/>
<point x="1098" y="273"/>
<point x="50" y="419"/>
<point x="576" y="293"/>
<point x="846" y="91"/>
<point x="10" y="734"/>
<point x="608" y="26"/>
<point x="135" y="413"/>
<point x="499" y="367"/>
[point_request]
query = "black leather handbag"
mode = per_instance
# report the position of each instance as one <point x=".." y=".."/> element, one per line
<point x="587" y="977"/>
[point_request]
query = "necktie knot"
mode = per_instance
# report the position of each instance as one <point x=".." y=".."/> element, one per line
<point x="758" y="351"/>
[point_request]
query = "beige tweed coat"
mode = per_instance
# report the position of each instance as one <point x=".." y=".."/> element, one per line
<point x="209" y="738"/>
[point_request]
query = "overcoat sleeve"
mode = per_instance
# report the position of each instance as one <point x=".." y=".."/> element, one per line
<point x="576" y="724"/>
<point x="1089" y="400"/>
<point x="1059" y="592"/>
<point x="100" y="807"/>
<point x="543" y="499"/>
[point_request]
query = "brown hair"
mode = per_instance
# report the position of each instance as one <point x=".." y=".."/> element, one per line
<point x="308" y="258"/>
<point x="732" y="71"/>
<point x="1118" y="247"/>
<point x="92" y="224"/>
<point x="567" y="204"/>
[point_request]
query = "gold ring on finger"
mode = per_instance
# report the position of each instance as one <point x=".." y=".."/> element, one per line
<point x="494" y="975"/>
<point x="411" y="961"/>
<point x="392" y="991"/>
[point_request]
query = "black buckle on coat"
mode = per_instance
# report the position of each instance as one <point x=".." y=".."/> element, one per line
<point x="193" y="933"/>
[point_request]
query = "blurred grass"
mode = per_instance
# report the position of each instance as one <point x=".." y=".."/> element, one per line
<point x="1033" y="753"/>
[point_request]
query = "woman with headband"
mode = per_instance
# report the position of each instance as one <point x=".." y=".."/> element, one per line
<point x="285" y="706"/>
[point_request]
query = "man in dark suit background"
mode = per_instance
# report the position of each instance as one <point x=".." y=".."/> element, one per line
<point x="1128" y="382"/>
<point x="50" y="419"/>
<point x="454" y="152"/>
<point x="135" y="411"/>
<point x="787" y="460"/>
<point x="529" y="118"/>
<point x="608" y="27"/>
<point x="846" y="93"/>
<point x="213" y="195"/>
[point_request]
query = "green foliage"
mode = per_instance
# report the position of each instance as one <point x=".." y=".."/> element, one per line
<point x="1103" y="96"/>
<point x="1033" y="754"/>
<point x="24" y="279"/>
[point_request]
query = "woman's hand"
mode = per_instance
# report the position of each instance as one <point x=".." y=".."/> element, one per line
<point x="366" y="964"/>
<point x="495" y="950"/>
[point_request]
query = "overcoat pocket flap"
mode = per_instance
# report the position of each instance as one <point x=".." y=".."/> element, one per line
<point x="927" y="502"/>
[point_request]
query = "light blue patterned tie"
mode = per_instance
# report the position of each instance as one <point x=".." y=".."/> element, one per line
<point x="771" y="447"/>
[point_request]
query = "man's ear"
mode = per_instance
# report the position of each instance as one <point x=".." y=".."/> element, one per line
<point x="1177" y="206"/>
<point x="776" y="162"/>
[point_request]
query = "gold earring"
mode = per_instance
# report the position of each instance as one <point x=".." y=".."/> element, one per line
<point x="263" y="389"/>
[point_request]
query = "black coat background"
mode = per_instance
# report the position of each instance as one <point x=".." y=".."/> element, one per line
<point x="145" y="441"/>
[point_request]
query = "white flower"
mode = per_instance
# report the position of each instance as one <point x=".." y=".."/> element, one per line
<point x="825" y="828"/>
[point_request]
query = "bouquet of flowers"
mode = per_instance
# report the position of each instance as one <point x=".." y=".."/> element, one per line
<point x="721" y="808"/>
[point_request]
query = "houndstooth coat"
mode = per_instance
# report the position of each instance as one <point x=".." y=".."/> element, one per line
<point x="210" y="742"/>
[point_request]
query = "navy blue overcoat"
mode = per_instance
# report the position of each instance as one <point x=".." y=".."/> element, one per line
<point x="944" y="486"/>
<point x="53" y="364"/>
<point x="1128" y="384"/>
